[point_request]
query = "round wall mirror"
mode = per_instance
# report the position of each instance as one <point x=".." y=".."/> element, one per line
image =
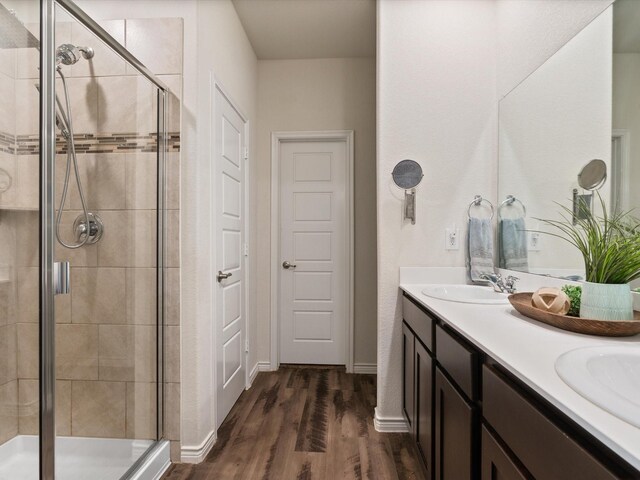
<point x="593" y="175"/>
<point x="407" y="174"/>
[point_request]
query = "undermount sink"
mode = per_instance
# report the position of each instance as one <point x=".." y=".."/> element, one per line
<point x="466" y="294"/>
<point x="608" y="376"/>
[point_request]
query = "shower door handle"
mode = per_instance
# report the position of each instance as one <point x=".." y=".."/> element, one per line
<point x="61" y="278"/>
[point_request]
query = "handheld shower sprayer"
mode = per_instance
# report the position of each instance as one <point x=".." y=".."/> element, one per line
<point x="68" y="54"/>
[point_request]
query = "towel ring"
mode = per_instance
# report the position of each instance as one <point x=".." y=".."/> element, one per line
<point x="509" y="201"/>
<point x="477" y="201"/>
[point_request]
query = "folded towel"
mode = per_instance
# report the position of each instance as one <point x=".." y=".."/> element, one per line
<point x="480" y="248"/>
<point x="513" y="244"/>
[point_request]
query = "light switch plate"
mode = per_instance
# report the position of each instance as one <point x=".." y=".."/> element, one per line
<point x="534" y="240"/>
<point x="452" y="239"/>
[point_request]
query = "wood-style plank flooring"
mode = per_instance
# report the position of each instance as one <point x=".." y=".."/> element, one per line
<point x="305" y="423"/>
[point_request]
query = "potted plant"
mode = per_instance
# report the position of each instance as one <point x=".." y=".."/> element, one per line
<point x="610" y="246"/>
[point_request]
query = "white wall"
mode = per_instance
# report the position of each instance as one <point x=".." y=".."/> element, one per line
<point x="322" y="94"/>
<point x="214" y="43"/>
<point x="437" y="105"/>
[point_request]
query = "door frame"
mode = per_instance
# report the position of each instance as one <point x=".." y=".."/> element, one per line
<point x="216" y="85"/>
<point x="277" y="139"/>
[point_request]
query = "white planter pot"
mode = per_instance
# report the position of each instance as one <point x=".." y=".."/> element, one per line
<point x="601" y="301"/>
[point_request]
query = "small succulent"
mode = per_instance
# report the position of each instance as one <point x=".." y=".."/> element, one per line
<point x="574" y="292"/>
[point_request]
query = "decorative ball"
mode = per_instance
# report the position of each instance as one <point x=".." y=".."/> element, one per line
<point x="551" y="300"/>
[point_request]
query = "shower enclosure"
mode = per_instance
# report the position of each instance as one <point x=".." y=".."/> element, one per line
<point x="82" y="249"/>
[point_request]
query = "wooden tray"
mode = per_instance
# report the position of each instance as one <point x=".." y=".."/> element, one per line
<point x="605" y="328"/>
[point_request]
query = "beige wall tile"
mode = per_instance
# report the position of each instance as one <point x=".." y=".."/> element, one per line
<point x="83" y="96"/>
<point x="63" y="308"/>
<point x="7" y="300"/>
<point x="28" y="294"/>
<point x="77" y="352"/>
<point x="141" y="410"/>
<point x="98" y="409"/>
<point x="28" y="105"/>
<point x="28" y="407"/>
<point x="172" y="354"/>
<point x="27" y="228"/>
<point x="175" y="451"/>
<point x="8" y="61"/>
<point x="28" y="340"/>
<point x="145" y="348"/>
<point x="125" y="105"/>
<point x="172" y="411"/>
<point x="103" y="181"/>
<point x="8" y="180"/>
<point x="142" y="181"/>
<point x="98" y="295"/>
<point x="173" y="181"/>
<point x="129" y="239"/>
<point x="173" y="238"/>
<point x="8" y="411"/>
<point x="117" y="355"/>
<point x="105" y="62"/>
<point x="7" y="104"/>
<point x="172" y="296"/>
<point x="8" y="354"/>
<point x="142" y="296"/>
<point x="28" y="186"/>
<point x="156" y="42"/>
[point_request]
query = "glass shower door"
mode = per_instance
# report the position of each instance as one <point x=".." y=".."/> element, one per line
<point x="19" y="240"/>
<point x="109" y="232"/>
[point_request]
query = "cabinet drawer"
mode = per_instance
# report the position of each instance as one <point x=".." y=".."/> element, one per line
<point x="460" y="362"/>
<point x="496" y="462"/>
<point x="544" y="449"/>
<point x="419" y="321"/>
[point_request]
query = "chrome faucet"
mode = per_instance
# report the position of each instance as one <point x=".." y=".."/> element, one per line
<point x="499" y="285"/>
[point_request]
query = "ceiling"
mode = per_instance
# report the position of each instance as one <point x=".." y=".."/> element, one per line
<point x="294" y="29"/>
<point x="626" y="33"/>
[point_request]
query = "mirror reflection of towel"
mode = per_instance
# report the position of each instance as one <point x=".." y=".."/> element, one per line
<point x="513" y="244"/>
<point x="480" y="248"/>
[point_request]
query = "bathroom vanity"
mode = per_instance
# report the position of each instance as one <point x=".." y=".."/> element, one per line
<point x="483" y="401"/>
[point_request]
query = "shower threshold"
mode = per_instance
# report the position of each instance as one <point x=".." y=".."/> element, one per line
<point x="80" y="458"/>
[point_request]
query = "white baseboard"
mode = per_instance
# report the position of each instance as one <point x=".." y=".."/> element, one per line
<point x="365" y="368"/>
<point x="390" y="424"/>
<point x="258" y="367"/>
<point x="197" y="453"/>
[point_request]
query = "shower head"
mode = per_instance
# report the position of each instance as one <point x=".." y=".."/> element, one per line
<point x="68" y="54"/>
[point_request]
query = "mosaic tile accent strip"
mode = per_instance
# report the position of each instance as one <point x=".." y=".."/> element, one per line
<point x="90" y="143"/>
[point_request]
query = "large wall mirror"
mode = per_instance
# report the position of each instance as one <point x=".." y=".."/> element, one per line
<point x="570" y="133"/>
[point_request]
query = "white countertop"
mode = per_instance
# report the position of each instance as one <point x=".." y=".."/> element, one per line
<point x="529" y="349"/>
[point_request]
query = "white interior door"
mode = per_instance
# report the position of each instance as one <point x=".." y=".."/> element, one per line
<point x="314" y="290"/>
<point x="229" y="161"/>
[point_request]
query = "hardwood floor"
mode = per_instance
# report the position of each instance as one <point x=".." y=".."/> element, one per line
<point x="306" y="423"/>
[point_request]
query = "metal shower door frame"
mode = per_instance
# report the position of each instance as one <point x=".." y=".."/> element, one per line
<point x="47" y="142"/>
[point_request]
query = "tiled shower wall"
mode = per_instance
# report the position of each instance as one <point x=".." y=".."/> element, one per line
<point x="107" y="326"/>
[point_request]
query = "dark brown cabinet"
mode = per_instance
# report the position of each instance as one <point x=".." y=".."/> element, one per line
<point x="408" y="354"/>
<point x="454" y="425"/>
<point x="496" y="462"/>
<point x="471" y="420"/>
<point x="424" y="403"/>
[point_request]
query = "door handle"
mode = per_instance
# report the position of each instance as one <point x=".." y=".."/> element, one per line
<point x="286" y="265"/>
<point x="61" y="278"/>
<point x="222" y="276"/>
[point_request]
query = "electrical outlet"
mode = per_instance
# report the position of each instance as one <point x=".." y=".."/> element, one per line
<point x="534" y="241"/>
<point x="452" y="239"/>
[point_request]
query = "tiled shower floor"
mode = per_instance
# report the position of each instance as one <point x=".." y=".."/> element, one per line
<point x="77" y="458"/>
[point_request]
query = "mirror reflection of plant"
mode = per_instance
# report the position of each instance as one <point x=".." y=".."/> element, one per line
<point x="609" y="243"/>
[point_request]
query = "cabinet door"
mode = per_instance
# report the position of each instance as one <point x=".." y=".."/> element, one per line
<point x="408" y="397"/>
<point x="454" y="417"/>
<point x="424" y="404"/>
<point x="496" y="463"/>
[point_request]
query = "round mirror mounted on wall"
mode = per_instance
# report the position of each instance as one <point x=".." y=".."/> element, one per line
<point x="593" y="175"/>
<point x="407" y="174"/>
